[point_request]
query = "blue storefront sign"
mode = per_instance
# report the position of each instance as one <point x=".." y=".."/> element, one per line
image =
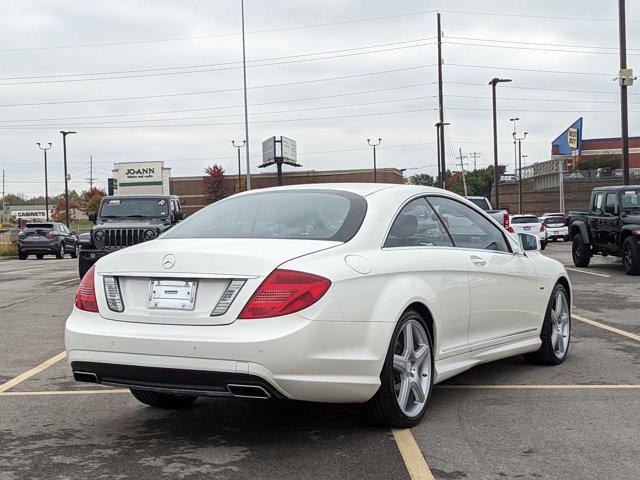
<point x="569" y="140"/>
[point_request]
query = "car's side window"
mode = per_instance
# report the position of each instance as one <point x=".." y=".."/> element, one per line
<point x="597" y="203"/>
<point x="612" y="199"/>
<point x="468" y="228"/>
<point x="417" y="225"/>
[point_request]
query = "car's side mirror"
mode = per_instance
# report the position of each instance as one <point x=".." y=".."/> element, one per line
<point x="610" y="208"/>
<point x="528" y="242"/>
<point x="177" y="216"/>
<point x="74" y="233"/>
<point x="93" y="217"/>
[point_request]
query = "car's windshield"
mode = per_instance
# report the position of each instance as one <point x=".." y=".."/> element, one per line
<point x="527" y="219"/>
<point x="319" y="215"/>
<point x="481" y="202"/>
<point x="630" y="199"/>
<point x="134" y="207"/>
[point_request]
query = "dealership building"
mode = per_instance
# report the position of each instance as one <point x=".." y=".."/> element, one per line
<point x="135" y="178"/>
<point x="571" y="147"/>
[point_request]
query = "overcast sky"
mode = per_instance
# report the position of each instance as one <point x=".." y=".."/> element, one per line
<point x="55" y="55"/>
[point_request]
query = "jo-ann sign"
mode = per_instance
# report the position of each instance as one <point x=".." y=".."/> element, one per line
<point x="139" y="173"/>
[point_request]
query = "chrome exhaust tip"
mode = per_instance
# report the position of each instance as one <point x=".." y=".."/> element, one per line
<point x="248" y="391"/>
<point x="85" y="377"/>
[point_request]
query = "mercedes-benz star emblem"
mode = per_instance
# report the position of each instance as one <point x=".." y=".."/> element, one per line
<point x="168" y="261"/>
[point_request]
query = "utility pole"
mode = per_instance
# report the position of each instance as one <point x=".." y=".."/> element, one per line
<point x="496" y="178"/>
<point x="625" y="78"/>
<point x="66" y="176"/>
<point x="519" y="140"/>
<point x="238" y="147"/>
<point x="561" y="183"/>
<point x="464" y="180"/>
<point x="3" y="195"/>
<point x="475" y="156"/>
<point x="515" y="151"/>
<point x="438" y="154"/>
<point x="443" y="160"/>
<point x="374" y="145"/>
<point x="46" y="179"/>
<point x="90" y="172"/>
<point x="246" y="114"/>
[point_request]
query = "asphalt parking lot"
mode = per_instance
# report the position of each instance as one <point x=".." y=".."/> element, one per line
<point x="506" y="419"/>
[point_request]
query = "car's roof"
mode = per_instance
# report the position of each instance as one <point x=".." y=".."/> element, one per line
<point x="617" y="187"/>
<point x="363" y="189"/>
<point x="142" y="195"/>
<point x="519" y="215"/>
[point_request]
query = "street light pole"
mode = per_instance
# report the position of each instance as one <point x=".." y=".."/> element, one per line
<point x="239" y="146"/>
<point x="496" y="179"/>
<point x="374" y="145"/>
<point x="66" y="177"/>
<point x="519" y="140"/>
<point x="515" y="150"/>
<point x="246" y="113"/>
<point x="46" y="180"/>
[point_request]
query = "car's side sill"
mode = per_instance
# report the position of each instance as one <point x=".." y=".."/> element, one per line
<point x="482" y="343"/>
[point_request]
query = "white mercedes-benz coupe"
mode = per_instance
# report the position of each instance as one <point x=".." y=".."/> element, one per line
<point x="361" y="293"/>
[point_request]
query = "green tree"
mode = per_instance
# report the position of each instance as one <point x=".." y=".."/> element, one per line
<point x="593" y="162"/>
<point x="421" y="179"/>
<point x="93" y="205"/>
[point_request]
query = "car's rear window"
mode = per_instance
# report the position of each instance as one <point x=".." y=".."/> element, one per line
<point x="310" y="214"/>
<point x="33" y="227"/>
<point x="555" y="221"/>
<point x="527" y="219"/>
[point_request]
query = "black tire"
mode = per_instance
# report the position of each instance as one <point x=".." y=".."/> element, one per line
<point x="165" y="401"/>
<point x="566" y="238"/>
<point x="580" y="252"/>
<point x="631" y="256"/>
<point x="83" y="266"/>
<point x="60" y="253"/>
<point x="22" y="255"/>
<point x="546" y="354"/>
<point x="383" y="409"/>
<point x="39" y="256"/>
<point x="74" y="252"/>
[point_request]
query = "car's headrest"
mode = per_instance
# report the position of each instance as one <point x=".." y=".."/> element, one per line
<point x="404" y="226"/>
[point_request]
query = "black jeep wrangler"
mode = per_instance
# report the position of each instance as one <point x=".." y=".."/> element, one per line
<point x="610" y="227"/>
<point x="125" y="220"/>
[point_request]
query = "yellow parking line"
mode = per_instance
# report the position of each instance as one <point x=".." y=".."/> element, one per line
<point x="588" y="272"/>
<point x="63" y="392"/>
<point x="543" y="387"/>
<point x="606" y="327"/>
<point x="22" y="377"/>
<point x="411" y="454"/>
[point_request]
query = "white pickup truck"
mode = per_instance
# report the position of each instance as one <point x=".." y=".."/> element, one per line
<point x="500" y="216"/>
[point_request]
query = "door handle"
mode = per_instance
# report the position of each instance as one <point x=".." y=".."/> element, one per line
<point x="479" y="262"/>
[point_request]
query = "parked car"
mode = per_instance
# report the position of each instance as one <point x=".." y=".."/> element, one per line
<point x="327" y="293"/>
<point x="611" y="226"/>
<point x="47" y="238"/>
<point x="528" y="224"/>
<point x="556" y="226"/>
<point x="500" y="216"/>
<point x="125" y="220"/>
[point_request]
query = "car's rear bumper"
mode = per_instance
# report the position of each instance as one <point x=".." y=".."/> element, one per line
<point x="324" y="361"/>
<point x="557" y="232"/>
<point x="46" y="248"/>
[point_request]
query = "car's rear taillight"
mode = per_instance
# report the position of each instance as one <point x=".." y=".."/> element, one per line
<point x="86" y="294"/>
<point x="284" y="292"/>
<point x="510" y="229"/>
<point x="542" y="228"/>
<point x="505" y="220"/>
<point x="52" y="234"/>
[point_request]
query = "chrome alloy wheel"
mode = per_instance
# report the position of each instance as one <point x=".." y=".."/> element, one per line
<point x="412" y="368"/>
<point x="560" y="324"/>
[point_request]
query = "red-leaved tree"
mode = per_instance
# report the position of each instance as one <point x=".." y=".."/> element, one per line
<point x="214" y="183"/>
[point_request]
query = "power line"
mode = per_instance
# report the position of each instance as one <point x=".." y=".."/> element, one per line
<point x="540" y="88"/>
<point x="225" y="90"/>
<point x="543" y="17"/>
<point x="206" y="65"/>
<point x="326" y="107"/>
<point x="516" y="69"/>
<point x="200" y="37"/>
<point x="205" y="70"/>
<point x="554" y="100"/>
<point x="291" y="100"/>
<point x="519" y="47"/>
<point x="564" y="45"/>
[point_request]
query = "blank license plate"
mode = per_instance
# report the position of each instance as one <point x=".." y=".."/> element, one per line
<point x="527" y="228"/>
<point x="172" y="294"/>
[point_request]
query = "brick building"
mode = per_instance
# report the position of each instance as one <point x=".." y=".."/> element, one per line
<point x="191" y="189"/>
